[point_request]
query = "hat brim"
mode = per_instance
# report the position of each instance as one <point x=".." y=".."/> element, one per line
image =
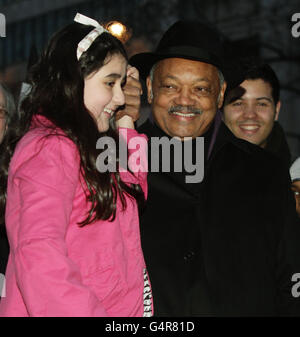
<point x="144" y="62"/>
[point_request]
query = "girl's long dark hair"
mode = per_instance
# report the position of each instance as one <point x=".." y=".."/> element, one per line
<point x="57" y="82"/>
<point x="11" y="137"/>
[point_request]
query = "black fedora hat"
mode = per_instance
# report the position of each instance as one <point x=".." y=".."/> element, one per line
<point x="193" y="40"/>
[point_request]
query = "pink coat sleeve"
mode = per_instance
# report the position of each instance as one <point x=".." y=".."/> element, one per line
<point x="44" y="181"/>
<point x="137" y="158"/>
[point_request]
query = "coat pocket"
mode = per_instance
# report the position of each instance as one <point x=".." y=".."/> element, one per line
<point x="101" y="275"/>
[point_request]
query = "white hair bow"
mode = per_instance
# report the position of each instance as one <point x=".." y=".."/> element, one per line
<point x="86" y="42"/>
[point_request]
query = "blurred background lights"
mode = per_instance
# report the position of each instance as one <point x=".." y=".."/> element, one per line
<point x="119" y="30"/>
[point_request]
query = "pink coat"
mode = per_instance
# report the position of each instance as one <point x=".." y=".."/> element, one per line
<point x="55" y="267"/>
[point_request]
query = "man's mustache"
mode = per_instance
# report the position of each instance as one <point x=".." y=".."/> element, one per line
<point x="185" y="109"/>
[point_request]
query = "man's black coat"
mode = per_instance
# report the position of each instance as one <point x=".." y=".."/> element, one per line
<point x="227" y="246"/>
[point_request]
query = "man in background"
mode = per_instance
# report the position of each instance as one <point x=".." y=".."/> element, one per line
<point x="251" y="110"/>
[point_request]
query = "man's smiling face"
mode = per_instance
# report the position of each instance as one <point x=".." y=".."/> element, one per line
<point x="185" y="96"/>
<point x="252" y="115"/>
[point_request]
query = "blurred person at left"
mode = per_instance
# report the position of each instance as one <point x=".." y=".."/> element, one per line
<point x="8" y="119"/>
<point x="295" y="178"/>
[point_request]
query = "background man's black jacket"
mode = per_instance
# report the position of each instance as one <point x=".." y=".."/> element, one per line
<point x="278" y="145"/>
<point x="227" y="246"/>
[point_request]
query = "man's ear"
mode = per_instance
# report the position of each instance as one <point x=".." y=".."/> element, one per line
<point x="221" y="95"/>
<point x="277" y="109"/>
<point x="149" y="90"/>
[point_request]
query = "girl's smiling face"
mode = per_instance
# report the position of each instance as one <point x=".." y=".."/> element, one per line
<point x="103" y="90"/>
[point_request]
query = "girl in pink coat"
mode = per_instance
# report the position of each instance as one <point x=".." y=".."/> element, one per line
<point x="72" y="219"/>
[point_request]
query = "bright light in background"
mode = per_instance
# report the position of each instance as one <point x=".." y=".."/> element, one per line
<point x="119" y="30"/>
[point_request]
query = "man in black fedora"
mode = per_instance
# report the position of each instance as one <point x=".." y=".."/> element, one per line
<point x="222" y="245"/>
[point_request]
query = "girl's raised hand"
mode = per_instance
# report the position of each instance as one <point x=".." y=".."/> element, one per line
<point x="133" y="92"/>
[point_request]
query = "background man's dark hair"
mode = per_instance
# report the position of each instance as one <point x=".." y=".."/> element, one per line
<point x="255" y="70"/>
